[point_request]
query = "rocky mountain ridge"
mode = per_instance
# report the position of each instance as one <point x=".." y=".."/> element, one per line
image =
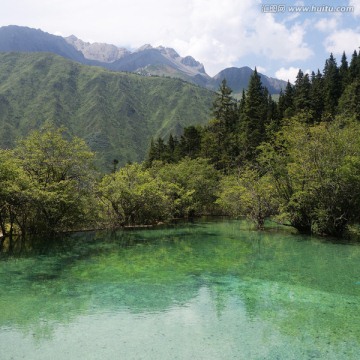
<point x="109" y="53"/>
<point x="147" y="60"/>
<point x="97" y="51"/>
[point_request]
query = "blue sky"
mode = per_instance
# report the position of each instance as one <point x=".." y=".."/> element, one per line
<point x="220" y="34"/>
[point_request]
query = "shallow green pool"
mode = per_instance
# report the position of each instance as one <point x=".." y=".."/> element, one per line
<point x="205" y="290"/>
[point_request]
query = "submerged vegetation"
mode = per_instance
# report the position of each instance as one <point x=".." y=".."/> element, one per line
<point x="266" y="292"/>
<point x="296" y="161"/>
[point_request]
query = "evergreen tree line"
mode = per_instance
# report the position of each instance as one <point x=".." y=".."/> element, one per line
<point x="232" y="137"/>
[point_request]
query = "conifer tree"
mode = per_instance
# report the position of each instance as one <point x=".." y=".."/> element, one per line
<point x="190" y="142"/>
<point x="241" y="108"/>
<point x="344" y="72"/>
<point x="273" y="119"/>
<point x="225" y="107"/>
<point x="160" y="148"/>
<point x="349" y="103"/>
<point x="281" y="104"/>
<point x="317" y="95"/>
<point x="171" y="147"/>
<point x="332" y="86"/>
<point x="354" y="68"/>
<point x="286" y="102"/>
<point x="157" y="151"/>
<point x="255" y="116"/>
<point x="302" y="92"/>
<point x="219" y="141"/>
<point x="151" y="154"/>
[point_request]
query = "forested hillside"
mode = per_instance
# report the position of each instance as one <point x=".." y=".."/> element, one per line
<point x="296" y="162"/>
<point x="116" y="113"/>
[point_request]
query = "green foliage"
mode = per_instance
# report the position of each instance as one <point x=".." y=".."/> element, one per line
<point x="47" y="183"/>
<point x="189" y="144"/>
<point x="317" y="96"/>
<point x="248" y="194"/>
<point x="61" y="175"/>
<point x="133" y="196"/>
<point x="302" y="100"/>
<point x="332" y="85"/>
<point x="254" y="119"/>
<point x="196" y="184"/>
<point x="349" y="103"/>
<point x="354" y="68"/>
<point x="224" y="107"/>
<point x="219" y="140"/>
<point x="286" y="102"/>
<point x="311" y="168"/>
<point x="14" y="191"/>
<point x="344" y="72"/>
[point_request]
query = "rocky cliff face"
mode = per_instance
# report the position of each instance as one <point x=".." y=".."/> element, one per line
<point x="146" y="59"/>
<point x="97" y="51"/>
<point x="190" y="61"/>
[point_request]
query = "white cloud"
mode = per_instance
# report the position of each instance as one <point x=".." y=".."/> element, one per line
<point x="356" y="5"/>
<point x="261" y="69"/>
<point x="346" y="40"/>
<point x="275" y="41"/>
<point x="326" y="25"/>
<point x="217" y="33"/>
<point x="287" y="74"/>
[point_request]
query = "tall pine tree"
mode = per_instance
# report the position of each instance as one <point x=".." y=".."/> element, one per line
<point x="190" y="142"/>
<point x="302" y="93"/>
<point x="317" y="95"/>
<point x="332" y="87"/>
<point x="344" y="72"/>
<point x="253" y="124"/>
<point x="286" y="102"/>
<point x="224" y="108"/>
<point x="354" y="68"/>
<point x="219" y="139"/>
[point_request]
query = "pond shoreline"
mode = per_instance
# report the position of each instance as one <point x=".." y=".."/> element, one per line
<point x="352" y="236"/>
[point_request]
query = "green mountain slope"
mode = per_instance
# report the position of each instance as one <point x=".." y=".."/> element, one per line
<point x="116" y="113"/>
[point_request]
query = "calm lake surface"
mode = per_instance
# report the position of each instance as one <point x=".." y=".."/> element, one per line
<point x="203" y="290"/>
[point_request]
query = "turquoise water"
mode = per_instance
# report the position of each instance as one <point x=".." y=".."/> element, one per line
<point x="206" y="290"/>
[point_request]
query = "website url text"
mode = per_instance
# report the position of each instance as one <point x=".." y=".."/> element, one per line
<point x="279" y="8"/>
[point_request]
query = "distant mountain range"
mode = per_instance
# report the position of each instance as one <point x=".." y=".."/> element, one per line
<point x="146" y="60"/>
<point x="43" y="78"/>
